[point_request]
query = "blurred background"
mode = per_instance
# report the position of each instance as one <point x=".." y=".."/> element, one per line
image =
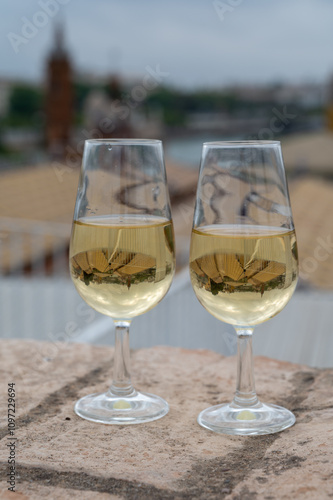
<point x="184" y="72"/>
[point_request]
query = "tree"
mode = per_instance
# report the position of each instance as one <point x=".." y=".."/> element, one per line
<point x="24" y="103"/>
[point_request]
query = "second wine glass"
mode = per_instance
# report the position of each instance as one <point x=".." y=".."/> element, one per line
<point x="243" y="264"/>
<point x="122" y="258"/>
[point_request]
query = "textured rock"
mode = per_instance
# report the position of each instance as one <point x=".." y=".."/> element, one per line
<point x="62" y="456"/>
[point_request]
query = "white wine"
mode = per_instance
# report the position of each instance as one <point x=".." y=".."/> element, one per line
<point x="122" y="266"/>
<point x="243" y="275"/>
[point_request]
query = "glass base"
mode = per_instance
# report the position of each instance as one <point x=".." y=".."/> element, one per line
<point x="246" y="420"/>
<point x="136" y="408"/>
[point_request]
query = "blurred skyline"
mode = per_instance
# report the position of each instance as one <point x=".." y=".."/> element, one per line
<point x="194" y="44"/>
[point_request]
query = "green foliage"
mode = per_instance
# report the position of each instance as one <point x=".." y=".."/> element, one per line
<point x="81" y="91"/>
<point x="3" y="149"/>
<point x="177" y="104"/>
<point x="25" y="102"/>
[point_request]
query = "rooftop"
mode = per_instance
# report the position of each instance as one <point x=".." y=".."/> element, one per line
<point x="40" y="200"/>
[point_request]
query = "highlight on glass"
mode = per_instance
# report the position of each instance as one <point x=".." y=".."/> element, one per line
<point x="122" y="258"/>
<point x="243" y="264"/>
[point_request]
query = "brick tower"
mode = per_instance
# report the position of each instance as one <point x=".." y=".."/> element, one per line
<point x="59" y="97"/>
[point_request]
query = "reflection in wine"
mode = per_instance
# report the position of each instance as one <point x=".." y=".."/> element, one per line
<point x="122" y="265"/>
<point x="243" y="275"/>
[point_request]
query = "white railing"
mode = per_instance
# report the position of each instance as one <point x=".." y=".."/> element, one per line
<point x="51" y="310"/>
<point x="35" y="247"/>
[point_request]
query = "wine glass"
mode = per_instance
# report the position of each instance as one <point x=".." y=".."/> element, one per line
<point x="243" y="264"/>
<point x="122" y="258"/>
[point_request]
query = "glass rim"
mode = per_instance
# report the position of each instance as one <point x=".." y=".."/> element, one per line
<point x="239" y="144"/>
<point x="124" y="141"/>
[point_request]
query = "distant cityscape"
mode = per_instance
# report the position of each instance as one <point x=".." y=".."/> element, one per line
<point x="52" y="118"/>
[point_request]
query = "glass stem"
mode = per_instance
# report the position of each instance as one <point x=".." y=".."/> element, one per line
<point x="245" y="390"/>
<point x="121" y="385"/>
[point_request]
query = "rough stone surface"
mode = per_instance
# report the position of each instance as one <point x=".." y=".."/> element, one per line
<point x="60" y="456"/>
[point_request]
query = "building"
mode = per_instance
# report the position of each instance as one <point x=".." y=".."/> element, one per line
<point x="59" y="98"/>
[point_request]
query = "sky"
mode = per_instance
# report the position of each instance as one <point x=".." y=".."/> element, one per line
<point x="190" y="43"/>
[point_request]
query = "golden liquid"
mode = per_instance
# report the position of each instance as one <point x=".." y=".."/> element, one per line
<point x="122" y="266"/>
<point x="243" y="275"/>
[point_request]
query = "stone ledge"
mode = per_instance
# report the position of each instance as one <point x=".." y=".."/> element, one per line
<point x="62" y="456"/>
